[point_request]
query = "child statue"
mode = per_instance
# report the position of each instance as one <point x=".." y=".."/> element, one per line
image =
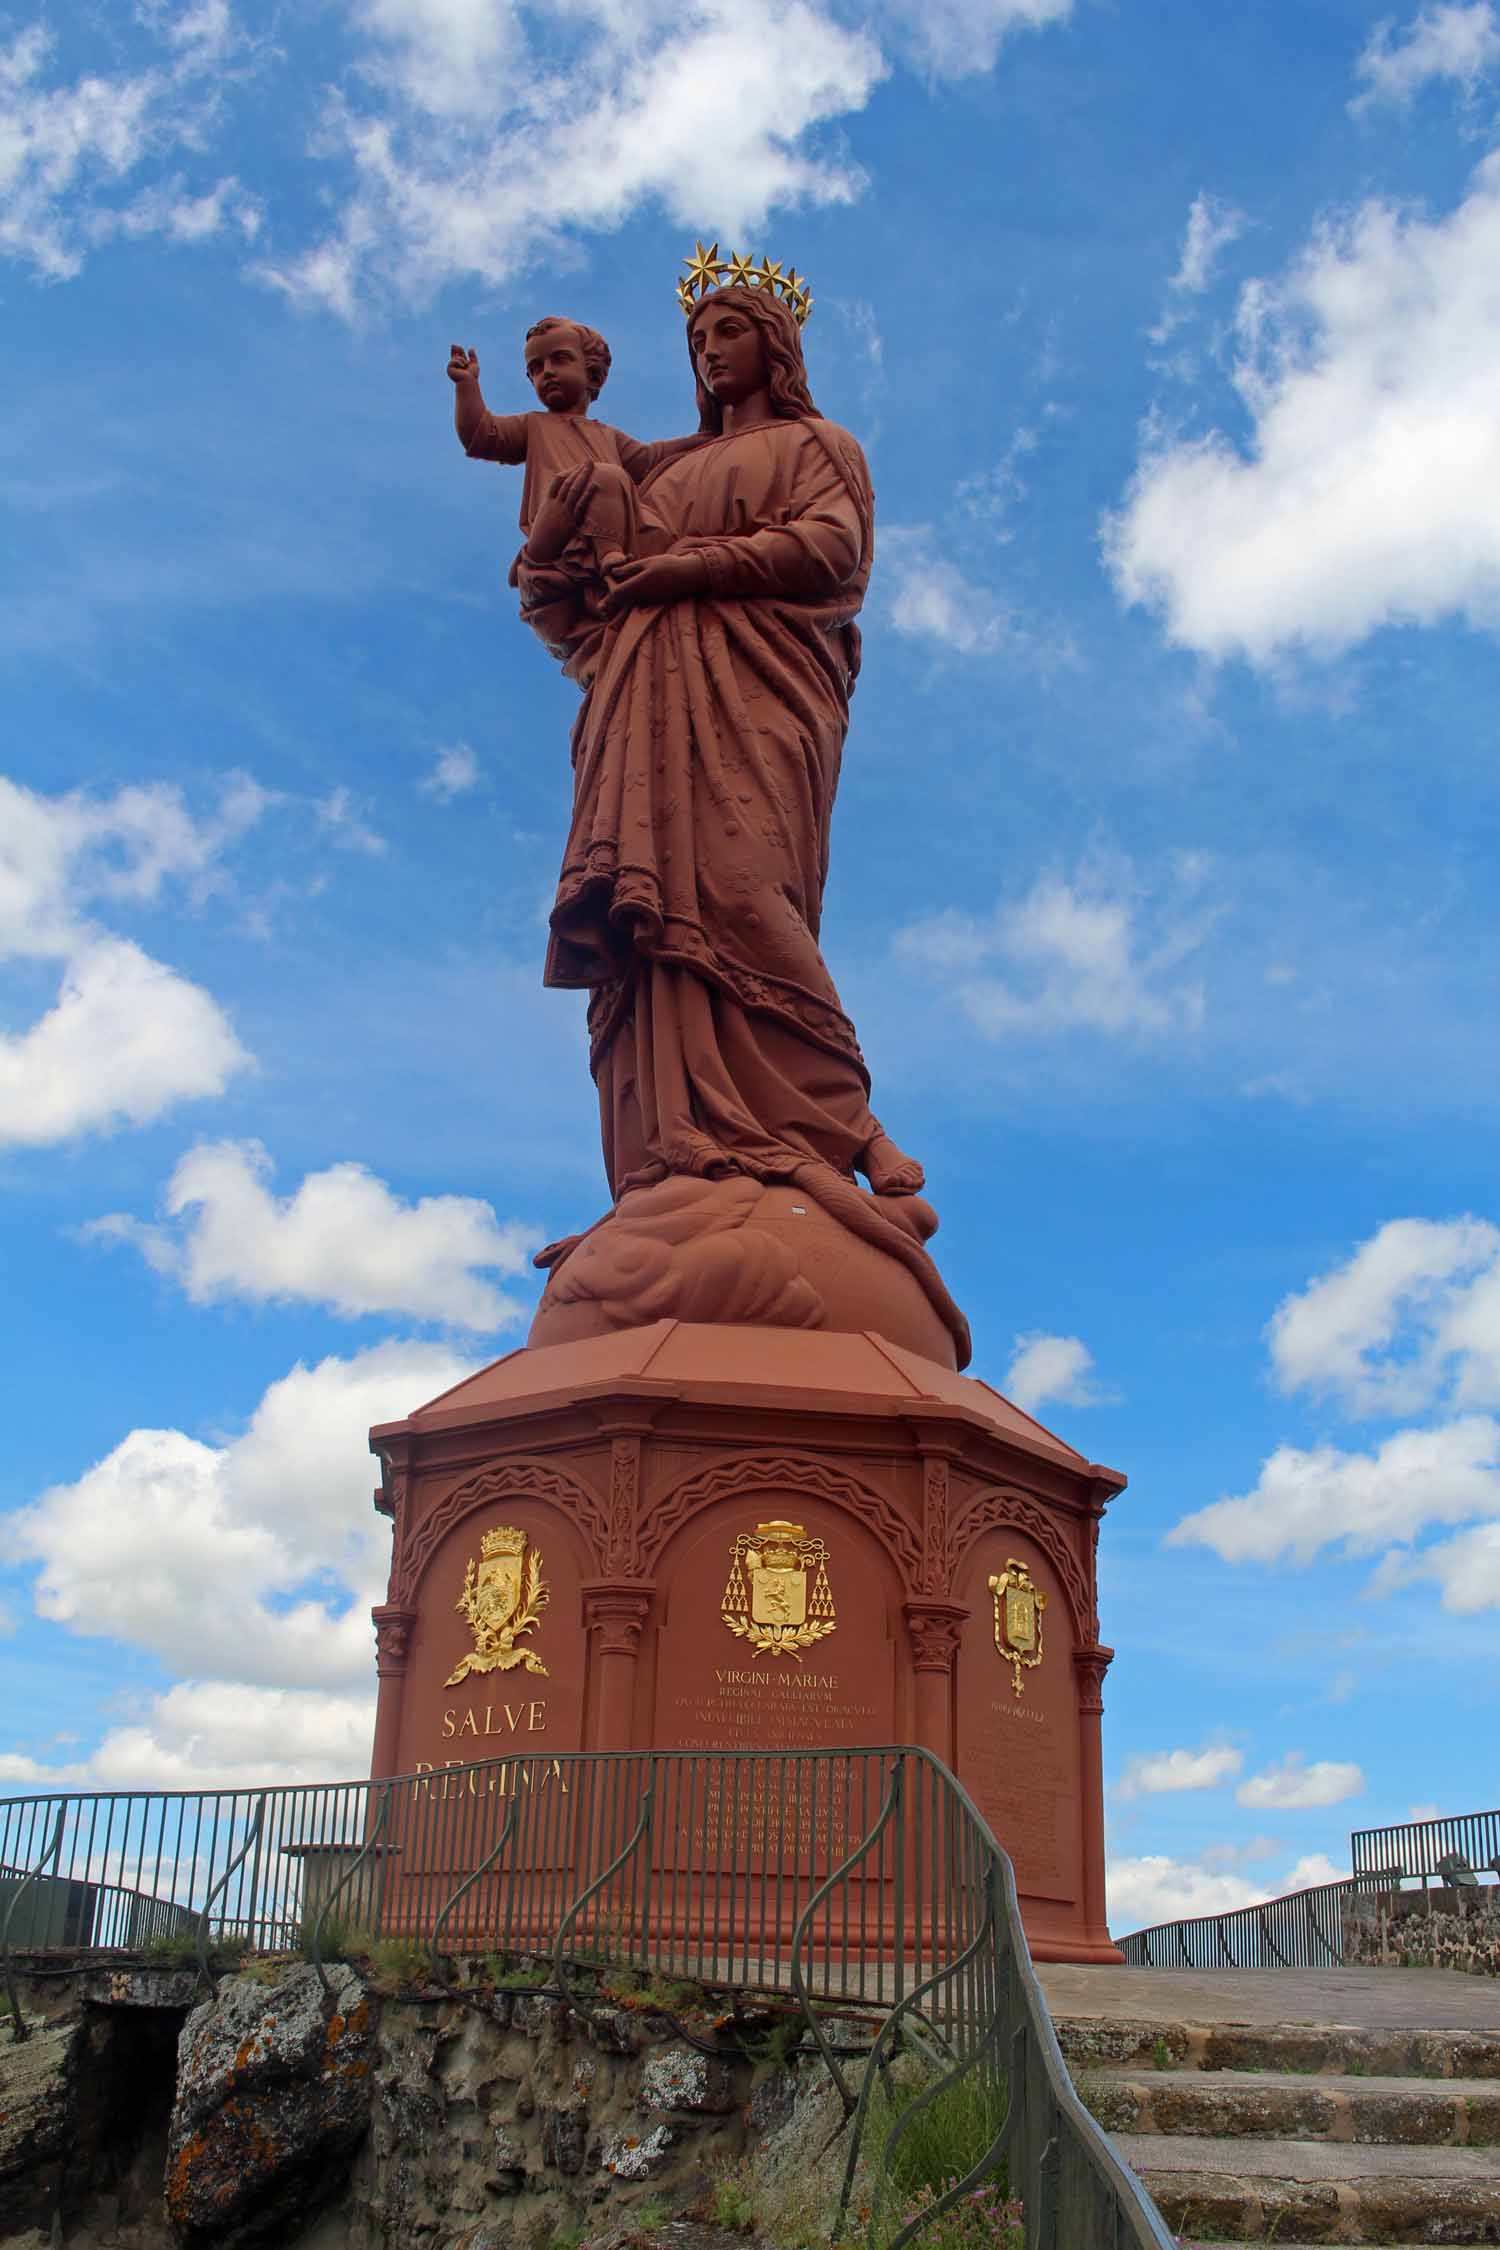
<point x="566" y="365"/>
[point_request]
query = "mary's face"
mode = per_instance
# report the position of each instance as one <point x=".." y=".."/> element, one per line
<point x="728" y="352"/>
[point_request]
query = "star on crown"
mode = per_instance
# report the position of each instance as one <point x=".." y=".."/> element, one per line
<point x="707" y="271"/>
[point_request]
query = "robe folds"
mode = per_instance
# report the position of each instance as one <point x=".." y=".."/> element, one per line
<point x="706" y="759"/>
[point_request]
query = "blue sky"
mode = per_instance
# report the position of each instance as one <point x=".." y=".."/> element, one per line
<point x="1163" y="865"/>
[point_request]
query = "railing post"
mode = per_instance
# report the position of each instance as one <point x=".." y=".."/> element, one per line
<point x="19" y="2032"/>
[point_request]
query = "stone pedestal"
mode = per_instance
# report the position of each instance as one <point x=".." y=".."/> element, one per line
<point x="734" y="1537"/>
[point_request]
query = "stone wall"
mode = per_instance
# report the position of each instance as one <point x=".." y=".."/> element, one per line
<point x="1435" y="1929"/>
<point x="271" y="2115"/>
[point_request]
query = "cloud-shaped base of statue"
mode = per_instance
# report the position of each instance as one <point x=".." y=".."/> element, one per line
<point x="819" y="1254"/>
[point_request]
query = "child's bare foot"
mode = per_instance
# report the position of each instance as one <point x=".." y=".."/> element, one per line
<point x="888" y="1171"/>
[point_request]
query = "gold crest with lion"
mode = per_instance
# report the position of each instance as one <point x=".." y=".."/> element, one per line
<point x="768" y="1600"/>
<point x="502" y="1597"/>
<point x="1018" y="1618"/>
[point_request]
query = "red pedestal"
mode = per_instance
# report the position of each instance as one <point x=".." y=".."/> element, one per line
<point x="724" y="1537"/>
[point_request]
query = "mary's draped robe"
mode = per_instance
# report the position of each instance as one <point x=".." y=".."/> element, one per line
<point x="706" y="757"/>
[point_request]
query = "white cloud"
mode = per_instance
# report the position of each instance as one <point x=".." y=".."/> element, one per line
<point x="1412" y="1316"/>
<point x="454" y="771"/>
<point x="340" y="818"/>
<point x="127" y="1037"/>
<point x="219" y="1734"/>
<point x="1368" y="493"/>
<point x="223" y="1734"/>
<point x="1158" y="1773"/>
<point x="1212" y="225"/>
<point x="1296" y="1786"/>
<point x="1451" y="41"/>
<point x="68" y="150"/>
<point x="930" y="599"/>
<point x="341" y="1238"/>
<point x="1052" y="1367"/>
<point x="958" y="38"/>
<point x="1094" y="953"/>
<point x="1312" y="1871"/>
<point x="263" y="1553"/>
<point x="1309" y="1499"/>
<point x="606" y="110"/>
<point x="1152" y="1888"/>
<point x="1465" y="1569"/>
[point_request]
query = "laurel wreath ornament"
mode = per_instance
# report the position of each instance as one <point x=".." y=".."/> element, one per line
<point x="777" y="1640"/>
<point x="494" y="1647"/>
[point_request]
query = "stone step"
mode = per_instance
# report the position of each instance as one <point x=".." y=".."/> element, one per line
<point x="1309" y="2049"/>
<point x="1392" y="2112"/>
<point x="1220" y="2190"/>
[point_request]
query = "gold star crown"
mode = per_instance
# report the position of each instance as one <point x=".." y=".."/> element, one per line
<point x="505" y="1541"/>
<point x="707" y="271"/>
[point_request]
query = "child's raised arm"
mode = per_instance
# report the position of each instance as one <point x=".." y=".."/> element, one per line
<point x="469" y="413"/>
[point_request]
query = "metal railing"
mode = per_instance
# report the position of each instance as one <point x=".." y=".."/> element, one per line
<point x="1303" y="1930"/>
<point x="1417" y="1847"/>
<point x="862" y="1879"/>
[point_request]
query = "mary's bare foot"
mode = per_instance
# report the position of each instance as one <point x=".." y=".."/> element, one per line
<point x="888" y="1171"/>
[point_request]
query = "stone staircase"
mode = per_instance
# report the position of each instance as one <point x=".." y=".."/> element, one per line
<point x="1302" y="2133"/>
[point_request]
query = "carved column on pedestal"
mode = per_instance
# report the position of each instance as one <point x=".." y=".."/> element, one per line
<point x="615" y="1611"/>
<point x="934" y="1628"/>
<point x="1090" y="1665"/>
<point x="393" y="1624"/>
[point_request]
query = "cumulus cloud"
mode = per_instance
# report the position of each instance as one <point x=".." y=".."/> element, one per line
<point x="1452" y="42"/>
<point x="341" y="1239"/>
<point x="70" y="148"/>
<point x="1153" y="1887"/>
<point x="1095" y="952"/>
<point x="1296" y="1786"/>
<point x="454" y="771"/>
<point x="1161" y="1773"/>
<point x="217" y="1734"/>
<point x="600" y="111"/>
<point x="477" y="137"/>
<point x="1466" y="1570"/>
<point x="1368" y="491"/>
<point x="1412" y="1317"/>
<point x="1307" y="1499"/>
<point x="1059" y="1368"/>
<point x="127" y="1037"/>
<point x="167" y="1537"/>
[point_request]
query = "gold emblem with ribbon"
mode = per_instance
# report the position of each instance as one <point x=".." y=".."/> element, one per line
<point x="778" y="1597"/>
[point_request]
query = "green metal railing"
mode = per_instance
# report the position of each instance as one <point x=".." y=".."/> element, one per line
<point x="1303" y="1930"/>
<point x="861" y="1879"/>
<point x="1418" y="1848"/>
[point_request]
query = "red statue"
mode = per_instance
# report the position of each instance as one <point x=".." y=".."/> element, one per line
<point x="703" y="593"/>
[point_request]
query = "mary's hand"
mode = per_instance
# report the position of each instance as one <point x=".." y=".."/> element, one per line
<point x="659" y="578"/>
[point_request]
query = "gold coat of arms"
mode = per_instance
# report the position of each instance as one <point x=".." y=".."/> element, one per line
<point x="1018" y="1618"/>
<point x="502" y="1597"/>
<point x="768" y="1600"/>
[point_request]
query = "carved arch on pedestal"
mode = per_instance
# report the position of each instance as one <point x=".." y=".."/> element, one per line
<point x="748" y="1473"/>
<point x="1004" y="1509"/>
<point x="509" y="1480"/>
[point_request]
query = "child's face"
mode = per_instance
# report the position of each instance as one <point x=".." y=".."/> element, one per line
<point x="556" y="371"/>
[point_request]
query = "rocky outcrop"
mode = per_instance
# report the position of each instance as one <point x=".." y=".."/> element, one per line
<point x="480" y="2119"/>
<point x="273" y="2099"/>
<point x="1436" y="1929"/>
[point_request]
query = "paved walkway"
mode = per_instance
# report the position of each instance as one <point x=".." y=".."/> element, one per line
<point x="1377" y="1999"/>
